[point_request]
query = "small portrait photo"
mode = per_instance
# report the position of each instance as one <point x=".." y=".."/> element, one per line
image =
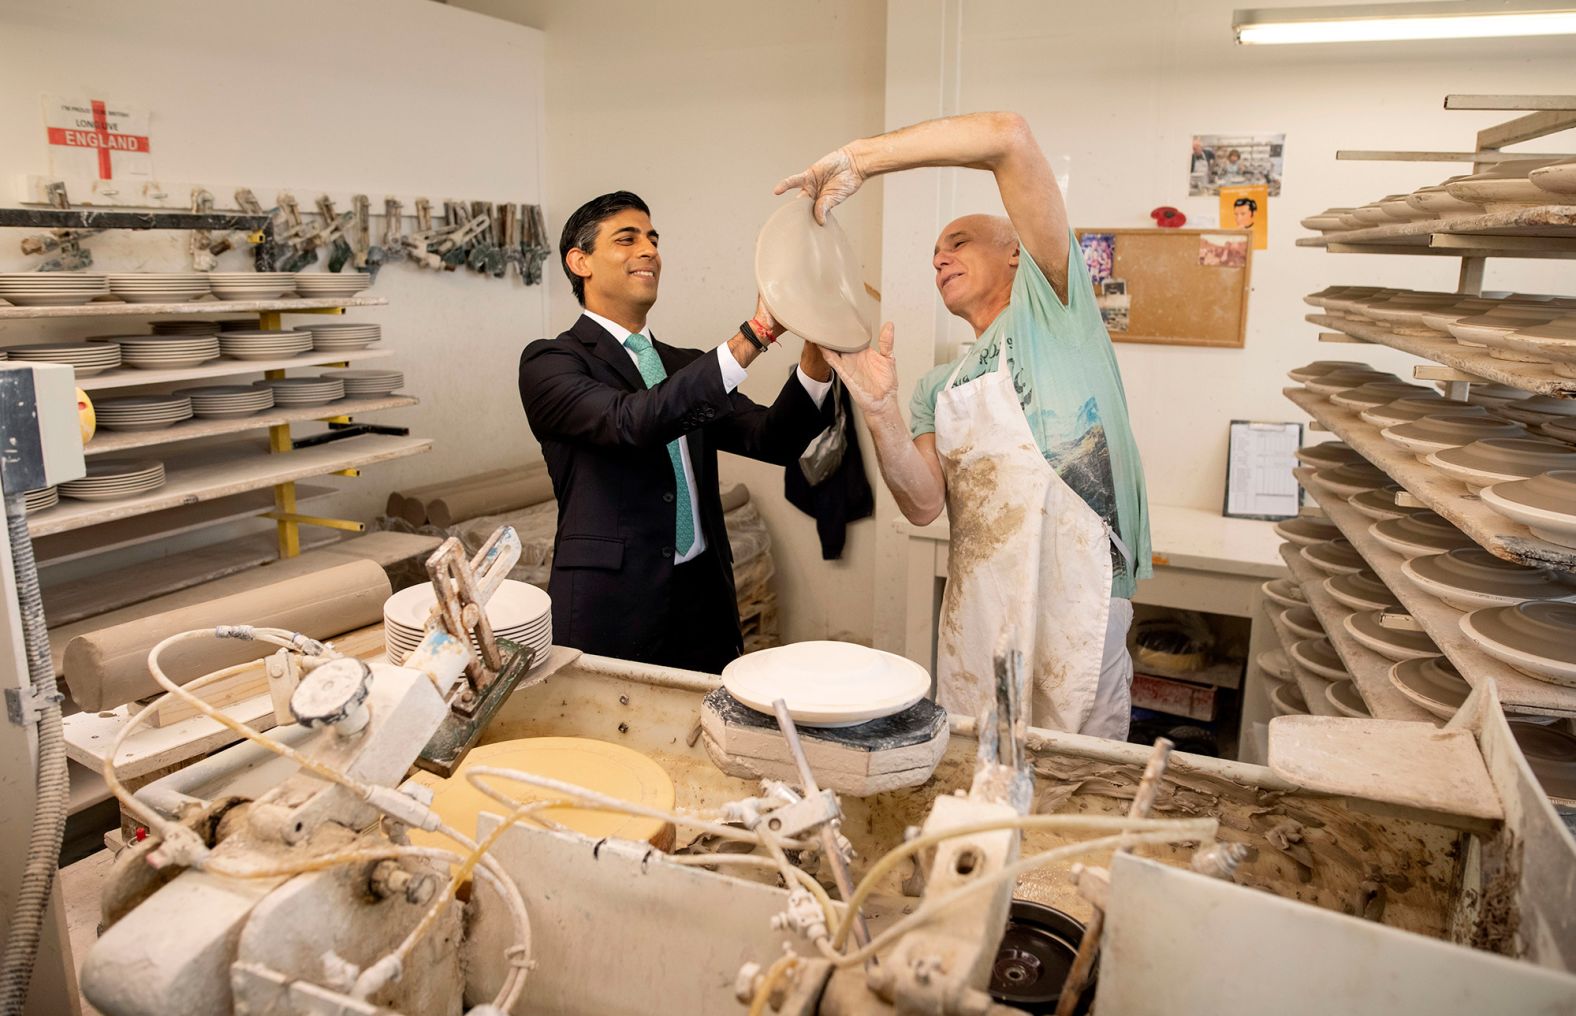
<point x="1221" y="160"/>
<point x="1113" y="301"/>
<point x="1099" y="251"/>
<point x="1247" y="208"/>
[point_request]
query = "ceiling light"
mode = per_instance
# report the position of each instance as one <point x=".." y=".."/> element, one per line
<point x="1451" y="19"/>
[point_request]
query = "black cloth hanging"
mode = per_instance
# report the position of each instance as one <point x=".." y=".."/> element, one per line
<point x="828" y="482"/>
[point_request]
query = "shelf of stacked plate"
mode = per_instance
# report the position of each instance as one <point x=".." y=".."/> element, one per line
<point x="96" y="308"/>
<point x="105" y="442"/>
<point x="1518" y="693"/>
<point x="1311" y="685"/>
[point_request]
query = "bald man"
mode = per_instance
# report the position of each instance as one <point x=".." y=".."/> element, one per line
<point x="1024" y="439"/>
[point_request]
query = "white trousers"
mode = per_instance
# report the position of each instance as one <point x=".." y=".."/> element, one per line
<point x="1113" y="702"/>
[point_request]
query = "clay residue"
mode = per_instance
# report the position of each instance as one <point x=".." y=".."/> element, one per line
<point x="1496" y="916"/>
<point x="979" y="531"/>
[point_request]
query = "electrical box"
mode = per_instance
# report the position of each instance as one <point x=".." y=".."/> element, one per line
<point x="40" y="426"/>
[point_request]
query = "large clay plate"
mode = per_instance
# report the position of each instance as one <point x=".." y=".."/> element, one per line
<point x="1287" y="700"/>
<point x="1284" y="592"/>
<point x="1496" y="460"/>
<point x="1380" y="503"/>
<point x="1413" y="407"/>
<point x="1272" y="662"/>
<point x="1551" y="755"/>
<point x="1545" y="504"/>
<point x="1447" y="428"/>
<point x="1334" y="557"/>
<point x="1346" y="699"/>
<point x="1439" y="202"/>
<point x="1327" y="455"/>
<point x="1340" y="380"/>
<point x="827" y="684"/>
<point x="1375" y="393"/>
<point x="1432" y="683"/>
<point x="1305" y="529"/>
<point x="1470" y="578"/>
<point x="1318" y="656"/>
<point x="1302" y="621"/>
<point x="1353" y="478"/>
<point x="1360" y="591"/>
<point x="1482" y="329"/>
<point x="1391" y="643"/>
<point x="1558" y="179"/>
<point x="1421" y="533"/>
<point x="809" y="277"/>
<point x="1537" y="638"/>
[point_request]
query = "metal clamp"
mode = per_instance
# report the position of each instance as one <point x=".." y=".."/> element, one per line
<point x="23" y="706"/>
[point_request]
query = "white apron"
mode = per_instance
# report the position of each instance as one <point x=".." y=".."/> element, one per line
<point x="1030" y="561"/>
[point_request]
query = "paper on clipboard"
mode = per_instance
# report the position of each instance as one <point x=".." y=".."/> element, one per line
<point x="1259" y="480"/>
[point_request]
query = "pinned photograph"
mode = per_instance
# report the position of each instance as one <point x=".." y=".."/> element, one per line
<point x="1113" y="301"/>
<point x="1223" y="250"/>
<point x="1099" y="251"/>
<point x="1225" y="160"/>
<point x="1247" y="208"/>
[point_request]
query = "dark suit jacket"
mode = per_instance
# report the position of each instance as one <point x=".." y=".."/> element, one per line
<point x="604" y="436"/>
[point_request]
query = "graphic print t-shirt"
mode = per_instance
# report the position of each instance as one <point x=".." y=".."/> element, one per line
<point x="1065" y="372"/>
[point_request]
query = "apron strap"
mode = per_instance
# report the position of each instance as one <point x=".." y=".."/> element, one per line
<point x="1121" y="547"/>
<point x="1001" y="361"/>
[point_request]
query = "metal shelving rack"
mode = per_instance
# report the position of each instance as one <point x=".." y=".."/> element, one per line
<point x="1544" y="231"/>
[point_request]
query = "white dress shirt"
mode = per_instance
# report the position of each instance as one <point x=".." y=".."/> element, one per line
<point x="733" y="375"/>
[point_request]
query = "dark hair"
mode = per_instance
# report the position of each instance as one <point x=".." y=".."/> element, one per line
<point x="580" y="230"/>
<point x="1253" y="206"/>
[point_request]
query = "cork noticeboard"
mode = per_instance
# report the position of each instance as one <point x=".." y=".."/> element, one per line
<point x="1172" y="297"/>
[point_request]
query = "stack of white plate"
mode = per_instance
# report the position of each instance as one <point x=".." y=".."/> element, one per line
<point x="518" y="611"/>
<point x="226" y="402"/>
<point x="159" y="287"/>
<point x="250" y="285"/>
<point x="259" y="345"/>
<point x="368" y="383"/>
<point x="88" y="358"/>
<point x="342" y="335"/>
<point x="110" y="479"/>
<point x="185" y="327"/>
<point x="42" y="499"/>
<point x="142" y="412"/>
<point x="330" y="285"/>
<point x="51" y="289"/>
<point x="303" y="391"/>
<point x="161" y="352"/>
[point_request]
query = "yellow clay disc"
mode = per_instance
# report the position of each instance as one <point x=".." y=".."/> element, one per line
<point x="609" y="769"/>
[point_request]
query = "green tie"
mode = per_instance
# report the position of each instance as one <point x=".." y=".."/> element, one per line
<point x="650" y="365"/>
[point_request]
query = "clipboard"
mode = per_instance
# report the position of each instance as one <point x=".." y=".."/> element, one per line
<point x="1259" y="463"/>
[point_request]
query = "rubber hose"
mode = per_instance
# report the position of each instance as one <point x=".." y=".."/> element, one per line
<point x="49" y="817"/>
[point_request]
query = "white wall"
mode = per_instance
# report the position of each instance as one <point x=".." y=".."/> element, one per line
<point x="368" y="96"/>
<point x="700" y="108"/>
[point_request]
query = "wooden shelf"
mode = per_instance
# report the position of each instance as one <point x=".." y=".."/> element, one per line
<point x="107" y="441"/>
<point x="195" y="308"/>
<point x="1442" y="236"/>
<point x="231" y="468"/>
<point x="70" y="546"/>
<point x="1538" y="378"/>
<point x="1311" y="685"/>
<point x="1370" y="671"/>
<point x="1518" y="693"/>
<point x="131" y="377"/>
<point x="1499" y="535"/>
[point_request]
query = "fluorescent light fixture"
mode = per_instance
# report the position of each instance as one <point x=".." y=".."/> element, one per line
<point x="1450" y="19"/>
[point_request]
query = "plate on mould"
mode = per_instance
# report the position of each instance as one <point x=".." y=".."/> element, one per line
<point x="827" y="684"/>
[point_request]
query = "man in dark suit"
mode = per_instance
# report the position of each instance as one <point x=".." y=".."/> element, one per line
<point x="630" y="428"/>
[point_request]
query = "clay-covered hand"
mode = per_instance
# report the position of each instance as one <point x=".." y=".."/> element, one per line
<point x="829" y="182"/>
<point x="870" y="374"/>
<point x="764" y="316"/>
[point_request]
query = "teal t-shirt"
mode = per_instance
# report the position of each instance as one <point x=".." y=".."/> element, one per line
<point x="1065" y="371"/>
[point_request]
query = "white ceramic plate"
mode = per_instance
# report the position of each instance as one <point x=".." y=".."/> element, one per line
<point x="827" y="684"/>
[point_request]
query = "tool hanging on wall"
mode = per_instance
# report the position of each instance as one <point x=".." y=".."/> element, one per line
<point x="247" y="202"/>
<point x="513" y="249"/>
<point x="483" y="248"/>
<point x="416" y="245"/>
<point x="340" y="251"/>
<point x="361" y="234"/>
<point x="202" y="258"/>
<point x="297" y="250"/>
<point x="72" y="255"/>
<point x="537" y="247"/>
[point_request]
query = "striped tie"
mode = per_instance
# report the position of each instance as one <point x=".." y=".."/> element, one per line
<point x="651" y="371"/>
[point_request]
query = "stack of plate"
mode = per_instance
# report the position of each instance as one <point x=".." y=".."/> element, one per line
<point x="142" y="412"/>
<point x="322" y="284"/>
<point x="225" y="402"/>
<point x="42" y="499"/>
<point x="339" y="336"/>
<point x="159" y="287"/>
<point x="185" y="327"/>
<point x="162" y="352"/>
<point x="110" y="479"/>
<point x="88" y="358"/>
<point x="368" y="383"/>
<point x="303" y="391"/>
<point x="252" y="344"/>
<point x="251" y="285"/>
<point x="518" y="611"/>
<point x="51" y="289"/>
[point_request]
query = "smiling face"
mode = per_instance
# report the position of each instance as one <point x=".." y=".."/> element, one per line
<point x="1244" y="215"/>
<point x="976" y="260"/>
<point x="623" y="267"/>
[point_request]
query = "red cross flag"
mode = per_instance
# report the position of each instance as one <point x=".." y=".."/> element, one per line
<point x="96" y="138"/>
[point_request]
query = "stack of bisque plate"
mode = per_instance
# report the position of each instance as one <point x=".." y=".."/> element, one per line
<point x="185" y="327"/>
<point x="325" y="284"/>
<point x="164" y="352"/>
<point x="251" y="285"/>
<point x="339" y="336"/>
<point x="368" y="383"/>
<point x="159" y="287"/>
<point x="252" y="344"/>
<point x="51" y="289"/>
<point x="86" y="358"/>
<point x="42" y="499"/>
<point x="112" y="479"/>
<point x="303" y="391"/>
<point x="226" y="402"/>
<point x="518" y="611"/>
<point x="142" y="412"/>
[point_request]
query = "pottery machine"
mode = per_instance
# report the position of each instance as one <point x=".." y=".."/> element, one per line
<point x="279" y="876"/>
